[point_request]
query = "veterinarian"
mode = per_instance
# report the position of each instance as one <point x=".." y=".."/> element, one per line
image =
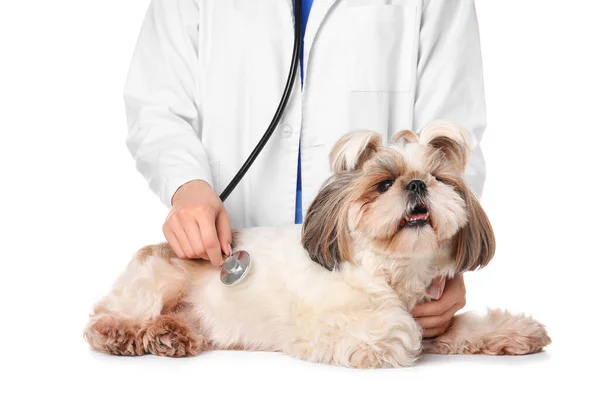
<point x="207" y="75"/>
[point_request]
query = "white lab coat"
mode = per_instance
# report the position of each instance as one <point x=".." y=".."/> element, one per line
<point x="207" y="76"/>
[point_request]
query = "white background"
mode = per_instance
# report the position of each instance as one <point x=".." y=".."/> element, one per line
<point x="73" y="209"/>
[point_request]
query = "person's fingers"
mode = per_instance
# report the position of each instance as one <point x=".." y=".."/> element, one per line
<point x="462" y="302"/>
<point x="224" y="231"/>
<point x="182" y="238"/>
<point x="453" y="294"/>
<point x="209" y="238"/>
<point x="433" y="308"/>
<point x="433" y="332"/>
<point x="172" y="240"/>
<point x="436" y="288"/>
<point x="192" y="231"/>
<point x="430" y="322"/>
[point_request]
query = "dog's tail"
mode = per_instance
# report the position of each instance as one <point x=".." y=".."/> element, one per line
<point x="496" y="333"/>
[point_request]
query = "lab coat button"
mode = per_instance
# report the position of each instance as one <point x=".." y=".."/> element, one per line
<point x="286" y="131"/>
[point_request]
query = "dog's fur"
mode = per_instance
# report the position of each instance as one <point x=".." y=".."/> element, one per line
<point x="339" y="288"/>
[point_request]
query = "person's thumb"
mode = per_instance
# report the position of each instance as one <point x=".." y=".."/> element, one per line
<point x="436" y="288"/>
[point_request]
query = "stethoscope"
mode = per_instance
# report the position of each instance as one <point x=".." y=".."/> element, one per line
<point x="237" y="265"/>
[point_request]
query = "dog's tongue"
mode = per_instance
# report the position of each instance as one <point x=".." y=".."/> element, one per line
<point x="421" y="216"/>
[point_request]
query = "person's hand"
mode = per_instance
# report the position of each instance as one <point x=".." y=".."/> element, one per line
<point x="197" y="225"/>
<point x="448" y="298"/>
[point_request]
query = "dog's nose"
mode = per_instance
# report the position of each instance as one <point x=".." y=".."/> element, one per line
<point x="416" y="186"/>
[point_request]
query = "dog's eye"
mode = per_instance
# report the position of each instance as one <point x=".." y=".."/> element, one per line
<point x="384" y="186"/>
<point x="437" y="178"/>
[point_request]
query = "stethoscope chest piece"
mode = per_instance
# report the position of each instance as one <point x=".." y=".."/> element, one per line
<point x="235" y="268"/>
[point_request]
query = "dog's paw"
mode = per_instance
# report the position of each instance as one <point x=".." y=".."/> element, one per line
<point x="112" y="335"/>
<point x="523" y="336"/>
<point x="168" y="337"/>
<point x="389" y="357"/>
<point x="394" y="352"/>
<point x="497" y="333"/>
<point x="366" y="358"/>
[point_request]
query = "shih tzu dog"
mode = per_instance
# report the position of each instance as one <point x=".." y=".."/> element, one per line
<point x="339" y="288"/>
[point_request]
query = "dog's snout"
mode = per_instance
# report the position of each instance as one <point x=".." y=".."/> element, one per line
<point x="417" y="186"/>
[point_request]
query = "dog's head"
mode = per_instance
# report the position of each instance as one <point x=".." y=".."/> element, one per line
<point x="405" y="199"/>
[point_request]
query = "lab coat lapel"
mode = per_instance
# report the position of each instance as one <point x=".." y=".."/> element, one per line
<point x="318" y="13"/>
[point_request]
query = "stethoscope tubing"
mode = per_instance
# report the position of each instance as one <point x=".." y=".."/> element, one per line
<point x="287" y="92"/>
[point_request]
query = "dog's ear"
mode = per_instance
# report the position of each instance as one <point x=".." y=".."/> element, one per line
<point x="325" y="235"/>
<point x="404" y="137"/>
<point x="474" y="244"/>
<point x="352" y="150"/>
<point x="453" y="140"/>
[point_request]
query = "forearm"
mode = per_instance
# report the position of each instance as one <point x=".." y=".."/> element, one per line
<point x="167" y="150"/>
<point x="161" y="100"/>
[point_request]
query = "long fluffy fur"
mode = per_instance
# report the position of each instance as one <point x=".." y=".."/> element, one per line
<point x="353" y="314"/>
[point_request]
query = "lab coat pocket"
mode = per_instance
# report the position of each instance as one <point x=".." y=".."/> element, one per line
<point x="381" y="47"/>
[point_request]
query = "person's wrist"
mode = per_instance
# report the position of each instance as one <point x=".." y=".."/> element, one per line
<point x="196" y="185"/>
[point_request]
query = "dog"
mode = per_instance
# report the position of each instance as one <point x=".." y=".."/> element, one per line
<point x="337" y="289"/>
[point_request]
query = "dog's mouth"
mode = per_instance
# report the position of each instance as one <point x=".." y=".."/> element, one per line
<point x="417" y="217"/>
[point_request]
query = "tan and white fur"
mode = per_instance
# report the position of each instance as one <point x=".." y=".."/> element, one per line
<point x="337" y="289"/>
